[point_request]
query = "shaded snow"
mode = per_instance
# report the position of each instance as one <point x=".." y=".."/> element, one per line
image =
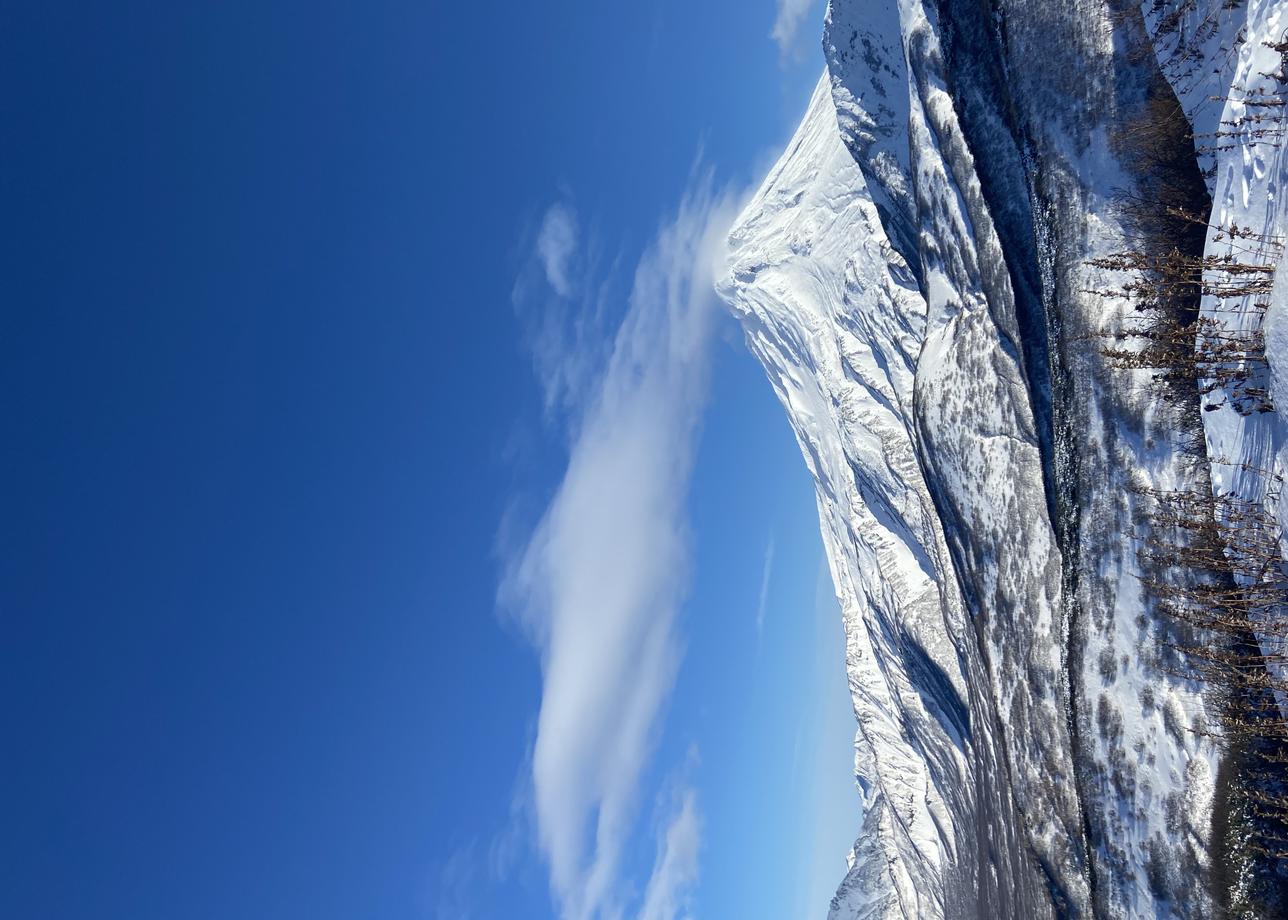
<point x="913" y="276"/>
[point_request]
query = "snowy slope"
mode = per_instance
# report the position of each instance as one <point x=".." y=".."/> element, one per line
<point x="1249" y="452"/>
<point x="913" y="274"/>
<point x="1249" y="175"/>
<point x="830" y="309"/>
<point x="1195" y="42"/>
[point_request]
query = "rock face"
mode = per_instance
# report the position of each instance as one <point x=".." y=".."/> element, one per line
<point x="915" y="277"/>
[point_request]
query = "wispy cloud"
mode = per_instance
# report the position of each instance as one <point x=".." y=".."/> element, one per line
<point x="765" y="574"/>
<point x="470" y="880"/>
<point x="563" y="307"/>
<point x="791" y="14"/>
<point x="456" y="885"/>
<point x="600" y="582"/>
<point x="676" y="868"/>
<point x="556" y="245"/>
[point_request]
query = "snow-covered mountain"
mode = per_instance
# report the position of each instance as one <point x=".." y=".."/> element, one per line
<point x="918" y="277"/>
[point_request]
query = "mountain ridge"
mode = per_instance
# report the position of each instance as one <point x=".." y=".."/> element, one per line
<point x="919" y="277"/>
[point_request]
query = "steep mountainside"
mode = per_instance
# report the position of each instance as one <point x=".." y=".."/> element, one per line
<point x="926" y="275"/>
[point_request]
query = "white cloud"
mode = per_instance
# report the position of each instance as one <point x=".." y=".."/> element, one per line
<point x="562" y="309"/>
<point x="556" y="245"/>
<point x="676" y="869"/>
<point x="456" y="884"/>
<point x="791" y="13"/>
<point x="600" y="582"/>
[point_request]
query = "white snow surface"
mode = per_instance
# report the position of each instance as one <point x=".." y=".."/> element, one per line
<point x="1250" y="452"/>
<point x="1021" y="748"/>
<point x="833" y="313"/>
<point x="807" y="250"/>
<point x="1196" y="43"/>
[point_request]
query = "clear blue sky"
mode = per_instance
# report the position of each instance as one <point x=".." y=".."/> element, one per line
<point x="278" y="441"/>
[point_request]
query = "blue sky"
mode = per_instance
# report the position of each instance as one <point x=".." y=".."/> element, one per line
<point x="366" y="398"/>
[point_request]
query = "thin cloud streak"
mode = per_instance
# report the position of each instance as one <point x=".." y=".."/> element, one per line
<point x="600" y="583"/>
<point x="763" y="602"/>
<point x="791" y="15"/>
<point x="676" y="869"/>
<point x="562" y="309"/>
<point x="556" y="244"/>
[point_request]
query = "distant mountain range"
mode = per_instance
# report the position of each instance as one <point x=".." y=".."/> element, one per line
<point x="1016" y="281"/>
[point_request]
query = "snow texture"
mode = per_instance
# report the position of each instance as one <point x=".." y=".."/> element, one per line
<point x="914" y="276"/>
